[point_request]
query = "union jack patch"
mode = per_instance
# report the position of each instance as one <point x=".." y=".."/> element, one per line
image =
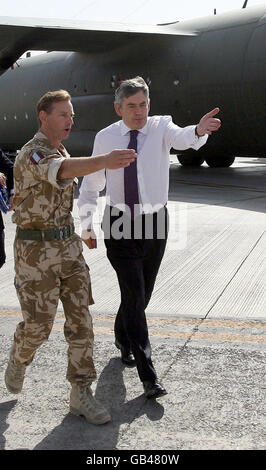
<point x="36" y="157"/>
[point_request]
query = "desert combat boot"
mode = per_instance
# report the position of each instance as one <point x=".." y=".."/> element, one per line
<point x="83" y="403"/>
<point x="14" y="377"/>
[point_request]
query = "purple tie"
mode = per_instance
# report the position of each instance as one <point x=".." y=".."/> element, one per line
<point x="130" y="177"/>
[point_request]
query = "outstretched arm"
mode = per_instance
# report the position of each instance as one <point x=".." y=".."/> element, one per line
<point x="82" y="166"/>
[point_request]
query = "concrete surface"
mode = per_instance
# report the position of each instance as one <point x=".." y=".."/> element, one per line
<point x="207" y="329"/>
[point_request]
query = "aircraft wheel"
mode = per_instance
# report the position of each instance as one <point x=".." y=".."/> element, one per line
<point x="190" y="158"/>
<point x="220" y="161"/>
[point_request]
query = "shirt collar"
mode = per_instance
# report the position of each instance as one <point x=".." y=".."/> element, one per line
<point x="125" y="130"/>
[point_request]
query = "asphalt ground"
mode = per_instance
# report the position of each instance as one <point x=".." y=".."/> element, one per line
<point x="207" y="330"/>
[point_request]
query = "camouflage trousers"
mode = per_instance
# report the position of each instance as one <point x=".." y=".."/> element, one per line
<point x="44" y="273"/>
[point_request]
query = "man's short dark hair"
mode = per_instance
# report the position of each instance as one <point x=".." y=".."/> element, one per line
<point x="45" y="103"/>
<point x="131" y="87"/>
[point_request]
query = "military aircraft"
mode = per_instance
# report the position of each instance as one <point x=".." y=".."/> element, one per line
<point x="191" y="67"/>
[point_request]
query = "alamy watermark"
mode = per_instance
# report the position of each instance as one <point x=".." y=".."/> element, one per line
<point x="176" y="223"/>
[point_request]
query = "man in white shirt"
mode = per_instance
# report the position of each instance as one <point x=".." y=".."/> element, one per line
<point x="135" y="221"/>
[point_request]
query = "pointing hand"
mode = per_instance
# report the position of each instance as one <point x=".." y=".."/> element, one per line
<point x="209" y="123"/>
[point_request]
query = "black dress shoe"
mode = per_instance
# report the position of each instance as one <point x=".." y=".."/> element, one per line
<point x="153" y="389"/>
<point x="126" y="355"/>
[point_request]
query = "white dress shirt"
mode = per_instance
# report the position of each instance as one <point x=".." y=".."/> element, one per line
<point x="154" y="142"/>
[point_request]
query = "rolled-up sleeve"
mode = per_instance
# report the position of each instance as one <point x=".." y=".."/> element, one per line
<point x="183" y="138"/>
<point x="46" y="169"/>
<point x="53" y="171"/>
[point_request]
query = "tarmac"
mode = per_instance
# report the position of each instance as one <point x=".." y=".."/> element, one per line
<point x="207" y="323"/>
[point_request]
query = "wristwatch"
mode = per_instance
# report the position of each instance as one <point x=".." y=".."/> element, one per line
<point x="196" y="132"/>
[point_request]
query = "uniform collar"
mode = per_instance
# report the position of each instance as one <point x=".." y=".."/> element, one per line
<point x="61" y="150"/>
<point x="40" y="135"/>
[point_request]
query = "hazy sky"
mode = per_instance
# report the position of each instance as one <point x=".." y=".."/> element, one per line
<point x="126" y="11"/>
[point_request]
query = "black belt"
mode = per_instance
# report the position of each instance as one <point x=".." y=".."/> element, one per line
<point x="48" y="234"/>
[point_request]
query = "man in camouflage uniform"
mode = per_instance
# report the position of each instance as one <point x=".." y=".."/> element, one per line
<point x="49" y="264"/>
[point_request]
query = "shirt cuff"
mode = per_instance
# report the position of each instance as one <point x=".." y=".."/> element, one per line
<point x="196" y="133"/>
<point x="52" y="174"/>
<point x="199" y="141"/>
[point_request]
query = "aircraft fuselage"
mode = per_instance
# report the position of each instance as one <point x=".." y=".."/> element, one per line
<point x="223" y="65"/>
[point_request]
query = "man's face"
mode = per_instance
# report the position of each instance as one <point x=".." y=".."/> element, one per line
<point x="134" y="110"/>
<point x="59" y="121"/>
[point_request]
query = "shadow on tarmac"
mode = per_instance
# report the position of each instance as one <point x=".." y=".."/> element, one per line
<point x="74" y="433"/>
<point x="5" y="409"/>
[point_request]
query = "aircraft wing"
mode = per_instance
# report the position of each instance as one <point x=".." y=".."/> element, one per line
<point x="18" y="35"/>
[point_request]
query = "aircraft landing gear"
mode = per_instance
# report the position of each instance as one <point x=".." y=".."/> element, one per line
<point x="214" y="159"/>
<point x="221" y="160"/>
<point x="190" y="158"/>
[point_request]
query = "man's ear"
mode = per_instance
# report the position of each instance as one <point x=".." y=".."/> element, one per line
<point x="42" y="116"/>
<point x="117" y="109"/>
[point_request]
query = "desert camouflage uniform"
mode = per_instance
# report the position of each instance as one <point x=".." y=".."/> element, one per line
<point x="46" y="271"/>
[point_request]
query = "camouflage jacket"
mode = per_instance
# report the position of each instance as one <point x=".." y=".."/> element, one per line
<point x="40" y="200"/>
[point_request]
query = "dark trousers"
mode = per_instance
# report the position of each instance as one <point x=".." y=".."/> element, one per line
<point x="2" y="248"/>
<point x="136" y="262"/>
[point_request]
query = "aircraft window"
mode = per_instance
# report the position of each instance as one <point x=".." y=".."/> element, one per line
<point x="116" y="80"/>
<point x="26" y="116"/>
<point x="5" y="118"/>
<point x="15" y="117"/>
<point x="113" y="81"/>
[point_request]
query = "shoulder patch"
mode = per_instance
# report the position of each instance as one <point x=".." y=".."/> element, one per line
<point x="36" y="157"/>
